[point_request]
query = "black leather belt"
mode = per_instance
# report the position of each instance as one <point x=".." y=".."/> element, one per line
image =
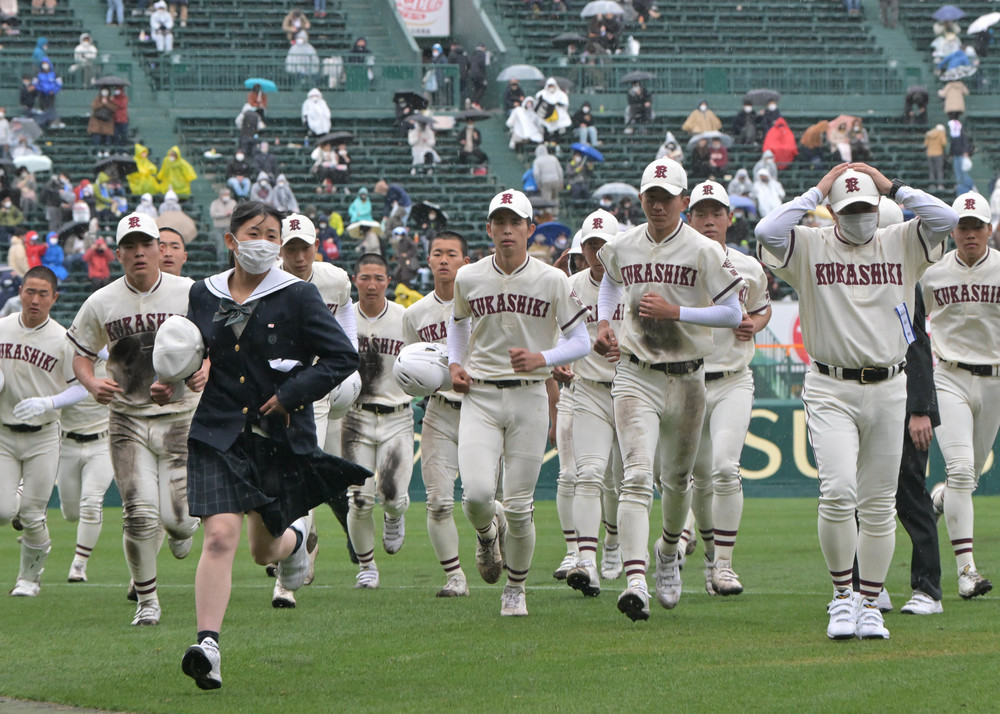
<point x="84" y="438"/>
<point x="449" y="402"/>
<point x="979" y="370"/>
<point x="23" y="428"/>
<point x="691" y="365"/>
<point x="383" y="409"/>
<point x="864" y="375"/>
<point x="712" y="376"/>
<point x="509" y="383"/>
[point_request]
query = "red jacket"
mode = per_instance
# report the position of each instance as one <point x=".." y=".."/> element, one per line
<point x="98" y="261"/>
<point x="35" y="251"/>
<point x="121" y="113"/>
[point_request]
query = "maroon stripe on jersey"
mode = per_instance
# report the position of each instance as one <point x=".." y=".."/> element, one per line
<point x="80" y="347"/>
<point x="576" y="317"/>
<point x="728" y="289"/>
<point x="923" y="241"/>
<point x="758" y="311"/>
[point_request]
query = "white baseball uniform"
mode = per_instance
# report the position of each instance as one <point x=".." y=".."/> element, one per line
<point x="427" y="321"/>
<point x="659" y="387"/>
<point x="378" y="430"/>
<point x="148" y="442"/>
<point x="566" y="478"/>
<point x="728" y="404"/>
<point x="852" y="308"/>
<point x="963" y="304"/>
<point x="505" y="414"/>
<point x="35" y="362"/>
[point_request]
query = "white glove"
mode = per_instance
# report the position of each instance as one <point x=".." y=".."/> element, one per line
<point x="32" y="407"/>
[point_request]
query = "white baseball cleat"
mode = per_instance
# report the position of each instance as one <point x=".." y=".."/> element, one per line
<point x="25" y="588"/>
<point x="489" y="559"/>
<point x="457" y="586"/>
<point x="292" y="571"/>
<point x="724" y="580"/>
<point x="147" y="613"/>
<point x="971" y="584"/>
<point x="937" y="500"/>
<point x="393" y="532"/>
<point x="668" y="579"/>
<point x="282" y="598"/>
<point x="567" y="564"/>
<point x="367" y="579"/>
<point x="634" y="600"/>
<point x="883" y="601"/>
<point x="921" y="604"/>
<point x="843" y="611"/>
<point x="77" y="572"/>
<point x="512" y="602"/>
<point x="180" y="547"/>
<point x="611" y="561"/>
<point x="584" y="578"/>
<point x="870" y="625"/>
<point x="203" y="663"/>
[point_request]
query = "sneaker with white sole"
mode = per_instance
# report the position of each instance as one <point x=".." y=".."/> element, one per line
<point x="611" y="562"/>
<point x="457" y="586"/>
<point x="393" y="532"/>
<point x="367" y="578"/>
<point x="180" y="547"/>
<point x="871" y="625"/>
<point x="937" y="500"/>
<point x="843" y="611"/>
<point x="203" y="663"/>
<point x="77" y="572"/>
<point x="724" y="580"/>
<point x="25" y="588"/>
<point x="883" y="601"/>
<point x="282" y="598"/>
<point x="147" y="613"/>
<point x="634" y="600"/>
<point x="292" y="571"/>
<point x="584" y="578"/>
<point x="920" y="603"/>
<point x="512" y="602"/>
<point x="668" y="579"/>
<point x="567" y="564"/>
<point x="971" y="584"/>
<point x="489" y="560"/>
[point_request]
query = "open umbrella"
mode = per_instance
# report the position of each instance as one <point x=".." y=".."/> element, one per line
<point x="638" y="76"/>
<point x="358" y="229"/>
<point x="948" y="13"/>
<point x="727" y="140"/>
<point x="180" y="222"/>
<point x="335" y="137"/>
<point x="569" y="38"/>
<point x="421" y="214"/>
<point x="742" y="202"/>
<point x="587" y="150"/>
<point x="112" y="81"/>
<point x="552" y="230"/>
<point x="601" y="7"/>
<point x="411" y="99"/>
<point x="983" y="23"/>
<point x="473" y="115"/>
<point x="832" y="130"/>
<point x="524" y="72"/>
<point x="420" y="119"/>
<point x="266" y="85"/>
<point x="123" y="162"/>
<point x="24" y="126"/>
<point x="73" y="228"/>
<point x="34" y="162"/>
<point x="760" y="97"/>
<point x="616" y="190"/>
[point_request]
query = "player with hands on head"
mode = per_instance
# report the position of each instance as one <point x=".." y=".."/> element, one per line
<point x="854" y="280"/>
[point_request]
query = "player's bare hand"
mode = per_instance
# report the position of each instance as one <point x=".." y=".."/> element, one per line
<point x="606" y="340"/>
<point x="524" y="361"/>
<point x="921" y="431"/>
<point x="883" y="184"/>
<point x="460" y="379"/>
<point x="563" y="374"/>
<point x="562" y="262"/>
<point x="745" y="332"/>
<point x="613" y="355"/>
<point x="197" y="381"/>
<point x="161" y="393"/>
<point x="655" y="307"/>
<point x="104" y="390"/>
<point x="826" y="183"/>
<point x="273" y="406"/>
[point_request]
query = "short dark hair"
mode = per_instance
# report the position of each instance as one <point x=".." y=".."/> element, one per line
<point x="249" y="210"/>
<point x="450" y="235"/>
<point x="174" y="231"/>
<point x="371" y="259"/>
<point x="43" y="273"/>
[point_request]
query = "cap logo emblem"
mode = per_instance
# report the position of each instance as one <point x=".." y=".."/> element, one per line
<point x="133" y="222"/>
<point x="294" y="225"/>
<point x="970" y="204"/>
<point x="661" y="172"/>
<point x="707" y="190"/>
<point x="507" y="198"/>
<point x="598" y="223"/>
<point x="852" y="185"/>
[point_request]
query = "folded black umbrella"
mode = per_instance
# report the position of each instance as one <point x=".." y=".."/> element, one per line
<point x="112" y="81"/>
<point x="123" y="162"/>
<point x="335" y="137"/>
<point x="414" y="100"/>
<point x="72" y="228"/>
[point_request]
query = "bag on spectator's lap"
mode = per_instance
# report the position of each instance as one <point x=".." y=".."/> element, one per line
<point x="104" y="114"/>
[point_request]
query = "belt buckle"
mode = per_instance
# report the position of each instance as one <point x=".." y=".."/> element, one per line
<point x="869" y="370"/>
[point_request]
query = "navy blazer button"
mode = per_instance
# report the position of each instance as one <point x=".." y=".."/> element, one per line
<point x="242" y="380"/>
<point x="237" y="348"/>
<point x="245" y="410"/>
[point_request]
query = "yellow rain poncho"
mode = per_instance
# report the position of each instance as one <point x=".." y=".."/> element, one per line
<point x="144" y="178"/>
<point x="176" y="173"/>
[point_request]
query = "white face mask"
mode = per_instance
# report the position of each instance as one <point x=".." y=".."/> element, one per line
<point x="858" y="228"/>
<point x="257" y="256"/>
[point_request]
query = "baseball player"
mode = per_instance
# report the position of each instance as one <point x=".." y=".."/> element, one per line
<point x="426" y="321"/>
<point x="668" y="275"/>
<point x="378" y="431"/>
<point x="961" y="296"/>
<point x="854" y="280"/>
<point x="509" y="312"/>
<point x="37" y="365"/>
<point x="593" y="425"/>
<point x="298" y="257"/>
<point x="717" y="496"/>
<point x="148" y="441"/>
<point x="173" y="255"/>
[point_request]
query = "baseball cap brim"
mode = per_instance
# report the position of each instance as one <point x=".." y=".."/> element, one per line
<point x="672" y="190"/>
<point x="844" y="203"/>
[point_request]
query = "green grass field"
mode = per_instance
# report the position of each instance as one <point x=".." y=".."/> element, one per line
<point x="400" y="649"/>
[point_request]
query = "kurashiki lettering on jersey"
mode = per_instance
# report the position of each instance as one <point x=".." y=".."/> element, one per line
<point x="665" y="273"/>
<point x="125" y="326"/>
<point x="27" y="354"/>
<point x="966" y="293"/>
<point x="850" y="274"/>
<point x="435" y="332"/>
<point x="509" y="302"/>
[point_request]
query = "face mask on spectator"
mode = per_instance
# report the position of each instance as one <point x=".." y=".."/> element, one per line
<point x="771" y="107"/>
<point x="703" y="107"/>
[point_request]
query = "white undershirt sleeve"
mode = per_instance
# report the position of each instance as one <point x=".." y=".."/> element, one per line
<point x="608" y="298"/>
<point x="73" y="394"/>
<point x="774" y="229"/>
<point x="459" y="334"/>
<point x="345" y="316"/>
<point x="727" y="313"/>
<point x="937" y="216"/>
<point x="570" y="347"/>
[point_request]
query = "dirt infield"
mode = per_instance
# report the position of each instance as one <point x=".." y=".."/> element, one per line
<point x="18" y="706"/>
